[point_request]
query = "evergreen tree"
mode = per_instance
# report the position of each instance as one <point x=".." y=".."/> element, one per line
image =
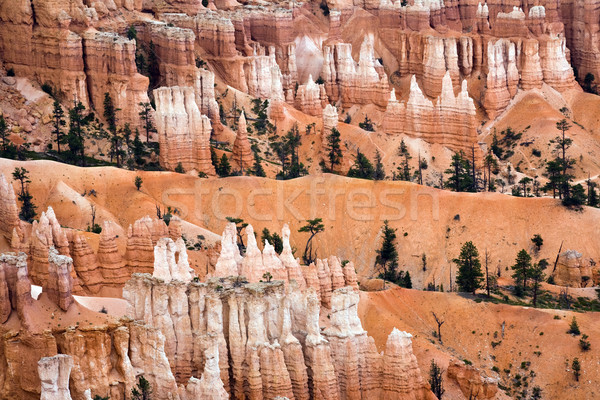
<point x="179" y="168"/>
<point x="138" y="149"/>
<point x="146" y="118"/>
<point x="592" y="194"/>
<point x="379" y="173"/>
<point x="257" y="168"/>
<point x="576" y="366"/>
<point x="367" y="125"/>
<point x="436" y="380"/>
<point x="214" y="159"/>
<point x="469" y="277"/>
<point x="404" y="170"/>
<point x="274" y="239"/>
<point x="138" y="182"/>
<point x="224" y="168"/>
<point x="313" y="227"/>
<point x="387" y="255"/>
<point x="334" y="150"/>
<point x="362" y="167"/>
<point x="460" y="178"/>
<point x="132" y="33"/>
<point x="110" y="114"/>
<point x="76" y="135"/>
<point x="292" y="142"/>
<point x="142" y="391"/>
<point x="58" y="122"/>
<point x="27" y="212"/>
<point x="3" y="133"/>
<point x="575" y="196"/>
<point x="522" y="269"/>
<point x="553" y="173"/>
<point x="490" y="164"/>
<point x="536" y="274"/>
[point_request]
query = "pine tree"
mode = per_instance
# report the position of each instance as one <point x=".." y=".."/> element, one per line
<point x="138" y="149"/>
<point x="334" y="150"/>
<point x="257" y="168"/>
<point x="138" y="182"/>
<point x="362" y="167"/>
<point x="404" y="169"/>
<point x="27" y="212"/>
<point x="436" y="380"/>
<point x="3" y="133"/>
<point x="521" y="269"/>
<point x="146" y="118"/>
<point x="469" y="277"/>
<point x="142" y="391"/>
<point x="224" y="168"/>
<point x="76" y="134"/>
<point x="553" y="173"/>
<point x="110" y="114"/>
<point x="132" y="33"/>
<point x="592" y="194"/>
<point x="460" y="178"/>
<point x="313" y="227"/>
<point x="536" y="274"/>
<point x="58" y="122"/>
<point x="576" y="366"/>
<point x="367" y="125"/>
<point x="387" y="255"/>
<point x="379" y="173"/>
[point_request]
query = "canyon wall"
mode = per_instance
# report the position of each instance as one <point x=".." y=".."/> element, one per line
<point x="184" y="133"/>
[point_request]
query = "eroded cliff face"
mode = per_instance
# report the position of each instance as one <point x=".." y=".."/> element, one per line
<point x="272" y="339"/>
<point x="264" y="339"/>
<point x="80" y="50"/>
<point x="184" y="133"/>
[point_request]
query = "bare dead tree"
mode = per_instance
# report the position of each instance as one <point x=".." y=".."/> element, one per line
<point x="93" y="207"/>
<point x="487" y="275"/>
<point x="439" y="323"/>
<point x="158" y="212"/>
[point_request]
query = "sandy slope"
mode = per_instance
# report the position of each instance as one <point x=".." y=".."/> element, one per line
<point x="469" y="330"/>
<point x="429" y="221"/>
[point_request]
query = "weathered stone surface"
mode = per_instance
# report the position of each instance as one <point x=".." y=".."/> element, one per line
<point x="54" y="374"/>
<point x="242" y="153"/>
<point x="59" y="284"/>
<point x="184" y="133"/>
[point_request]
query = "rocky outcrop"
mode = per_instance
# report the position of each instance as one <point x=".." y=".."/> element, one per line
<point x="352" y="83"/>
<point x="204" y="87"/>
<point x="209" y="386"/>
<point x="110" y="68"/>
<point x="242" y="152"/>
<point x="15" y="287"/>
<point x="272" y="340"/>
<point x="111" y="263"/>
<point x="184" y="133"/>
<point x="174" y="48"/>
<point x="45" y="234"/>
<point x="574" y="270"/>
<point x="263" y="76"/>
<point x="311" y="98"/>
<point x="171" y="261"/>
<point x="451" y="122"/>
<point x="330" y="119"/>
<point x="471" y="382"/>
<point x="214" y="32"/>
<point x="54" y="374"/>
<point x="85" y="262"/>
<point x="59" y="284"/>
<point x="9" y="212"/>
<point x="401" y="373"/>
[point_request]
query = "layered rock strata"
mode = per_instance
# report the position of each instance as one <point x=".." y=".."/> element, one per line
<point x="272" y="339"/>
<point x="451" y="122"/>
<point x="184" y="133"/>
